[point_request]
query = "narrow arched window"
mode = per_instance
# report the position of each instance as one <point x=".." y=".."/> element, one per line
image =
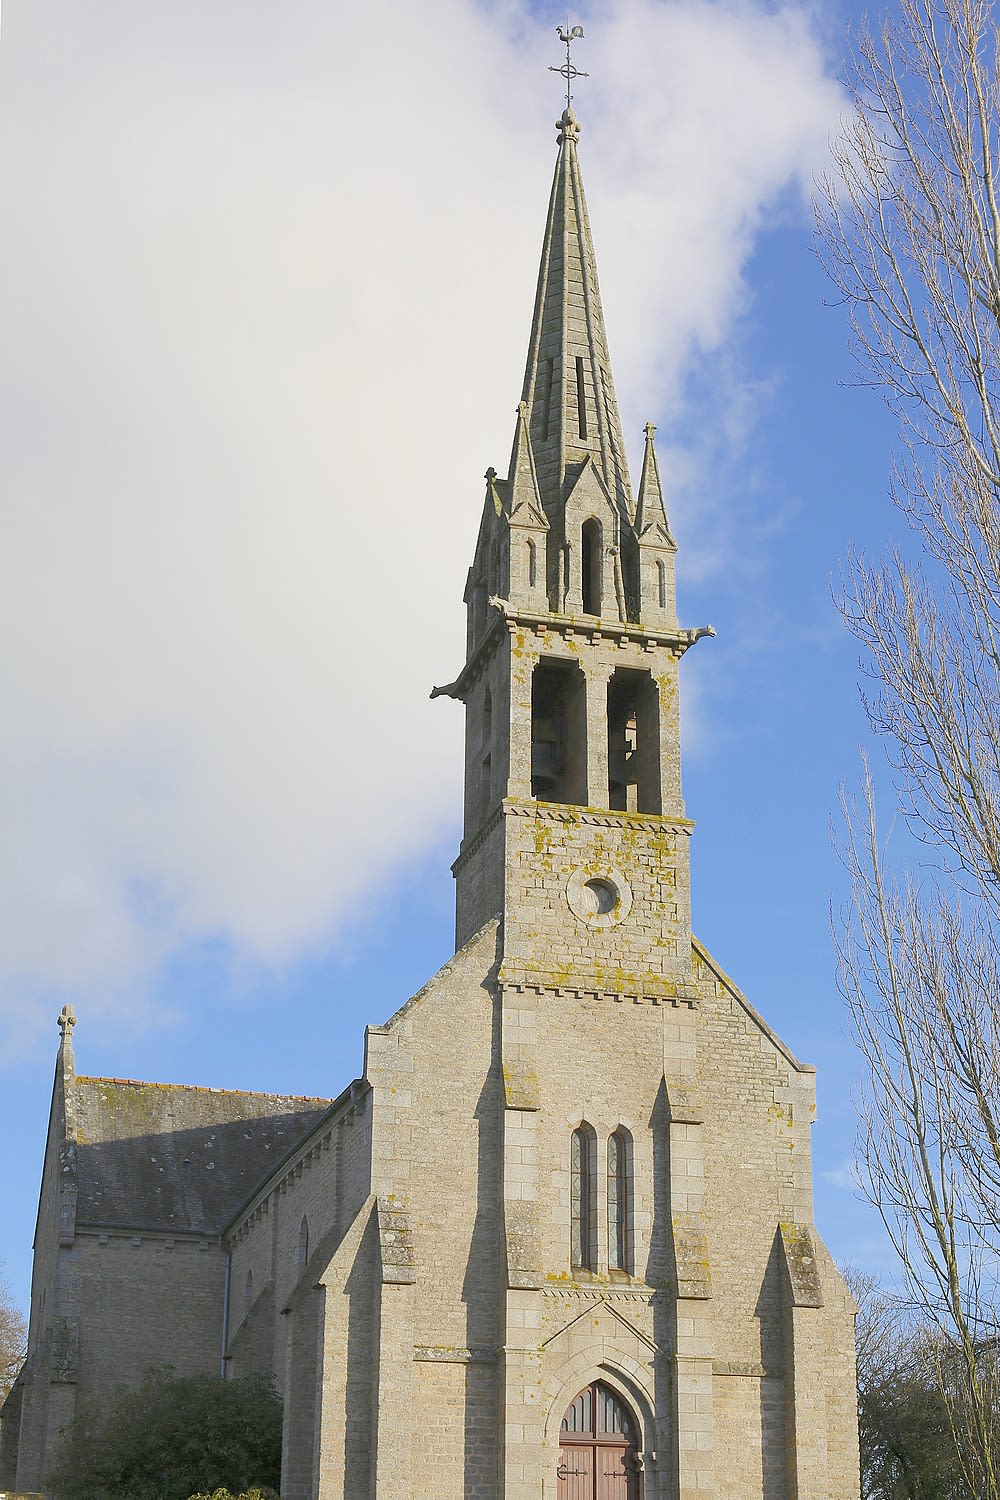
<point x="302" y="1253"/>
<point x="592" y="563"/>
<point x="477" y="613"/>
<point x="532" y="563"/>
<point x="486" y="756"/>
<point x="619" y="1205"/>
<point x="249" y="1294"/>
<point x="661" y="583"/>
<point x="581" y="1200"/>
<point x="487" y="721"/>
<point x="581" y="399"/>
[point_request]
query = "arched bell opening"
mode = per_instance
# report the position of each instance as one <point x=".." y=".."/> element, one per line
<point x="598" y="1447"/>
<point x="633" y="742"/>
<point x="558" y="733"/>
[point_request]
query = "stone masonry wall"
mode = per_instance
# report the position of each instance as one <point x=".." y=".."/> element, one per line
<point x="435" y="1075"/>
<point x="321" y="1186"/>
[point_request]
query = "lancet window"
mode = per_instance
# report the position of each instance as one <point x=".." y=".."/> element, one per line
<point x="581" y="1198"/>
<point x="619" y="1200"/>
<point x="592" y="564"/>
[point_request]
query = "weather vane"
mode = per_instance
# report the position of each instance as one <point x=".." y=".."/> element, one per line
<point x="568" y="71"/>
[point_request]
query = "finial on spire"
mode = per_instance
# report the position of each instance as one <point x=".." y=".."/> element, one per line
<point x="568" y="127"/>
<point x="568" y="71"/>
<point x="67" y="1020"/>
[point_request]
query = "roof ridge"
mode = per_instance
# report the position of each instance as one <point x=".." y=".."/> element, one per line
<point x="201" y="1088"/>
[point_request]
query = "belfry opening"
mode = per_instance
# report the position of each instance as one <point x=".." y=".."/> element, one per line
<point x="558" y="732"/>
<point x="633" y="742"/>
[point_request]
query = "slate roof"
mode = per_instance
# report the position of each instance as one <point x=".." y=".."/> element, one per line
<point x="164" y="1156"/>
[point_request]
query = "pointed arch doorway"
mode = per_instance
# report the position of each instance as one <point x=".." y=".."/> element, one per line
<point x="598" y="1447"/>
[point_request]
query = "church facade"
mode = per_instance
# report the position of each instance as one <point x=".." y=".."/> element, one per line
<point x="557" y="1243"/>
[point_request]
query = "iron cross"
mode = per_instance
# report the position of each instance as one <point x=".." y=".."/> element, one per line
<point x="568" y="71"/>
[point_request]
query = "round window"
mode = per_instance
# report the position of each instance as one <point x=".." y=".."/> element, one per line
<point x="600" y="900"/>
<point x="600" y="896"/>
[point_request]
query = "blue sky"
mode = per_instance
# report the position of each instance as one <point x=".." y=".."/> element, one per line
<point x="274" y="279"/>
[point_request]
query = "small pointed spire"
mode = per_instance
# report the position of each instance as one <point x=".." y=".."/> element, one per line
<point x="492" y="493"/>
<point x="650" y="511"/>
<point x="522" y="480"/>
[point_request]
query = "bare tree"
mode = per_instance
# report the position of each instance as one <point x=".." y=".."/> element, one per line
<point x="910" y="234"/>
<point x="907" y="1447"/>
<point x="13" y="1341"/>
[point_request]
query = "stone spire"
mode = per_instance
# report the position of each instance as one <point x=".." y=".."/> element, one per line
<point x="650" y="512"/>
<point x="568" y="389"/>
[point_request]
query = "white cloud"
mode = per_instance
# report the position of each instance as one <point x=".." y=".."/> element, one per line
<point x="844" y="1176"/>
<point x="268" y="277"/>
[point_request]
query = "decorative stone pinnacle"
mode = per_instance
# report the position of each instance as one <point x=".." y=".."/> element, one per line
<point x="649" y="429"/>
<point x="67" y="1020"/>
<point x="568" y="126"/>
<point x="490" y="474"/>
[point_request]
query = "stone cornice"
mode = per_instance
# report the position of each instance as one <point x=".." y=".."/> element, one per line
<point x="622" y="632"/>
<point x="632" y="989"/>
<point x="601" y="817"/>
<point x="560" y="812"/>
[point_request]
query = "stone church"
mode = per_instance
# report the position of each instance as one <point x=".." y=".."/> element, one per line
<point x="557" y="1242"/>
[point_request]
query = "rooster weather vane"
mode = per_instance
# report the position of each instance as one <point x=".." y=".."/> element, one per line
<point x="568" y="71"/>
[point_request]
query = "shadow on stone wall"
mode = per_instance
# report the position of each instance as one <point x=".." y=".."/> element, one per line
<point x="482" y="1279"/>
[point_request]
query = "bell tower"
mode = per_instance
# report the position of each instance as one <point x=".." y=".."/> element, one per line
<point x="574" y="822"/>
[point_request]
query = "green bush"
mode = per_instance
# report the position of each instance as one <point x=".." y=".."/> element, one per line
<point x="264" y="1494"/>
<point x="174" y="1437"/>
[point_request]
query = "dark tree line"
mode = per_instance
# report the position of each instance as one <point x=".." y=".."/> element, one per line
<point x="174" y="1437"/>
<point x="909" y="1386"/>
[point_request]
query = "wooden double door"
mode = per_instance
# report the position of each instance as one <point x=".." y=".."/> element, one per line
<point x="598" y="1454"/>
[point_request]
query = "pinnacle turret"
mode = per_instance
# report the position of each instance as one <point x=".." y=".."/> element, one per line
<point x="650" y="512"/>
